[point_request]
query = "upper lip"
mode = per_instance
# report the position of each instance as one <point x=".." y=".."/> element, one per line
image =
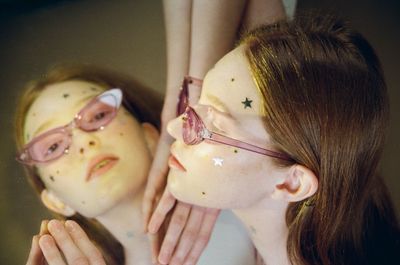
<point x="96" y="160"/>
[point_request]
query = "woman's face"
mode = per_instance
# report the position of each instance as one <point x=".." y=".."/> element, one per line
<point x="118" y="154"/>
<point x="217" y="175"/>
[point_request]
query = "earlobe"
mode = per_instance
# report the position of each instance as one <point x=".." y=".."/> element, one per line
<point x="151" y="135"/>
<point x="300" y="183"/>
<point x="53" y="203"/>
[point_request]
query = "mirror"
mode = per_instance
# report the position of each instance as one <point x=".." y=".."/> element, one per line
<point x="128" y="36"/>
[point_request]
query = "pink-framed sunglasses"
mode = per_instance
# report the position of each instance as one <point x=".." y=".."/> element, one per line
<point x="194" y="131"/>
<point x="183" y="99"/>
<point x="51" y="145"/>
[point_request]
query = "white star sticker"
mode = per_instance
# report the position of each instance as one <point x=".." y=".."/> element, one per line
<point x="218" y="161"/>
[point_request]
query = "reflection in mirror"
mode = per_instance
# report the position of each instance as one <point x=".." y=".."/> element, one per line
<point x="91" y="167"/>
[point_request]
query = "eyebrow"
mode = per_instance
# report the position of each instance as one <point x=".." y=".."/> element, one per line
<point x="48" y="123"/>
<point x="218" y="103"/>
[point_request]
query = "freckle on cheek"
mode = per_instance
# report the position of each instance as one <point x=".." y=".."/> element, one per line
<point x="52" y="178"/>
<point x="203" y="193"/>
<point x="92" y="143"/>
<point x="81" y="150"/>
<point x="83" y="202"/>
<point x="121" y="134"/>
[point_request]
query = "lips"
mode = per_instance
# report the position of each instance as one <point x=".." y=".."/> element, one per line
<point x="173" y="162"/>
<point x="100" y="165"/>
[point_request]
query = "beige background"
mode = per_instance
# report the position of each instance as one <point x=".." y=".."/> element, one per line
<point x="129" y="36"/>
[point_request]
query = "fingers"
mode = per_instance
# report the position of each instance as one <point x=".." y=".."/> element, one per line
<point x="178" y="222"/>
<point x="50" y="251"/>
<point x="154" y="240"/>
<point x="189" y="235"/>
<point x="64" y="241"/>
<point x="165" y="204"/>
<point x="83" y="243"/>
<point x="35" y="254"/>
<point x="210" y="218"/>
<point x="156" y="180"/>
<point x="68" y="241"/>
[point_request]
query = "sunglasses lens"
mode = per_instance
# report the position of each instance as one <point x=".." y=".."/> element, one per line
<point x="99" y="113"/>
<point x="47" y="148"/>
<point x="192" y="127"/>
<point x="183" y="99"/>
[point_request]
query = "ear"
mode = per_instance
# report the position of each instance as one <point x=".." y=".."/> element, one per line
<point x="53" y="203"/>
<point x="300" y="183"/>
<point x="151" y="136"/>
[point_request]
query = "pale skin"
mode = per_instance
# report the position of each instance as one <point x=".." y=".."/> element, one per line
<point x="198" y="34"/>
<point x="113" y="198"/>
<point x="222" y="108"/>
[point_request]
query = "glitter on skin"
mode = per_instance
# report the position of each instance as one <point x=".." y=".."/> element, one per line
<point x="218" y="161"/>
<point x="247" y="103"/>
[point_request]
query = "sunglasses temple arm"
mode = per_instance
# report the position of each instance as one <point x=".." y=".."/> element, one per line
<point x="215" y="137"/>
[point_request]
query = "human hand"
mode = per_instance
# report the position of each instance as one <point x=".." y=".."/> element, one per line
<point x="188" y="232"/>
<point x="63" y="243"/>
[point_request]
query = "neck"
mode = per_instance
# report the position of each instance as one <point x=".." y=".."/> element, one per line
<point x="267" y="227"/>
<point x="124" y="221"/>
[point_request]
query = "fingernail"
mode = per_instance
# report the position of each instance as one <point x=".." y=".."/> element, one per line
<point x="164" y="257"/>
<point x="44" y="241"/>
<point x="55" y="225"/>
<point x="70" y="226"/>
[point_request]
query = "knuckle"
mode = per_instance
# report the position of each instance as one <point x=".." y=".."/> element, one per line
<point x="98" y="259"/>
<point x="203" y="239"/>
<point x="80" y="261"/>
<point x="190" y="235"/>
<point x="179" y="219"/>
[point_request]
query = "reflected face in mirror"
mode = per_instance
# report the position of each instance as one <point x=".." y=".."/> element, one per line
<point x="217" y="175"/>
<point x="101" y="167"/>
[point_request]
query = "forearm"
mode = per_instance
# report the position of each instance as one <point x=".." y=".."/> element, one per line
<point x="177" y="16"/>
<point x="214" y="28"/>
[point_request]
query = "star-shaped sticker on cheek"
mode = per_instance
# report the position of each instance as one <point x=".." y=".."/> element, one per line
<point x="218" y="161"/>
<point x="247" y="103"/>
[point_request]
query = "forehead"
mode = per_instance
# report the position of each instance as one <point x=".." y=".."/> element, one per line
<point x="231" y="84"/>
<point x="58" y="103"/>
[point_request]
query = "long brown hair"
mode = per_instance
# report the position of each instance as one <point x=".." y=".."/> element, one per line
<point x="326" y="106"/>
<point x="143" y="103"/>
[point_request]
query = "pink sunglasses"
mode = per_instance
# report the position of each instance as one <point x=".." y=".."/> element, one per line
<point x="194" y="131"/>
<point x="51" y="145"/>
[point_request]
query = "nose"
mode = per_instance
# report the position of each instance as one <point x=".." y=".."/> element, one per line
<point x="85" y="140"/>
<point x="174" y="128"/>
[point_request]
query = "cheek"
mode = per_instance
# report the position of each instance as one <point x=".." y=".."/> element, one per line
<point x="221" y="177"/>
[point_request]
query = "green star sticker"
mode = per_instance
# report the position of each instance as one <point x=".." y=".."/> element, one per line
<point x="247" y="103"/>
